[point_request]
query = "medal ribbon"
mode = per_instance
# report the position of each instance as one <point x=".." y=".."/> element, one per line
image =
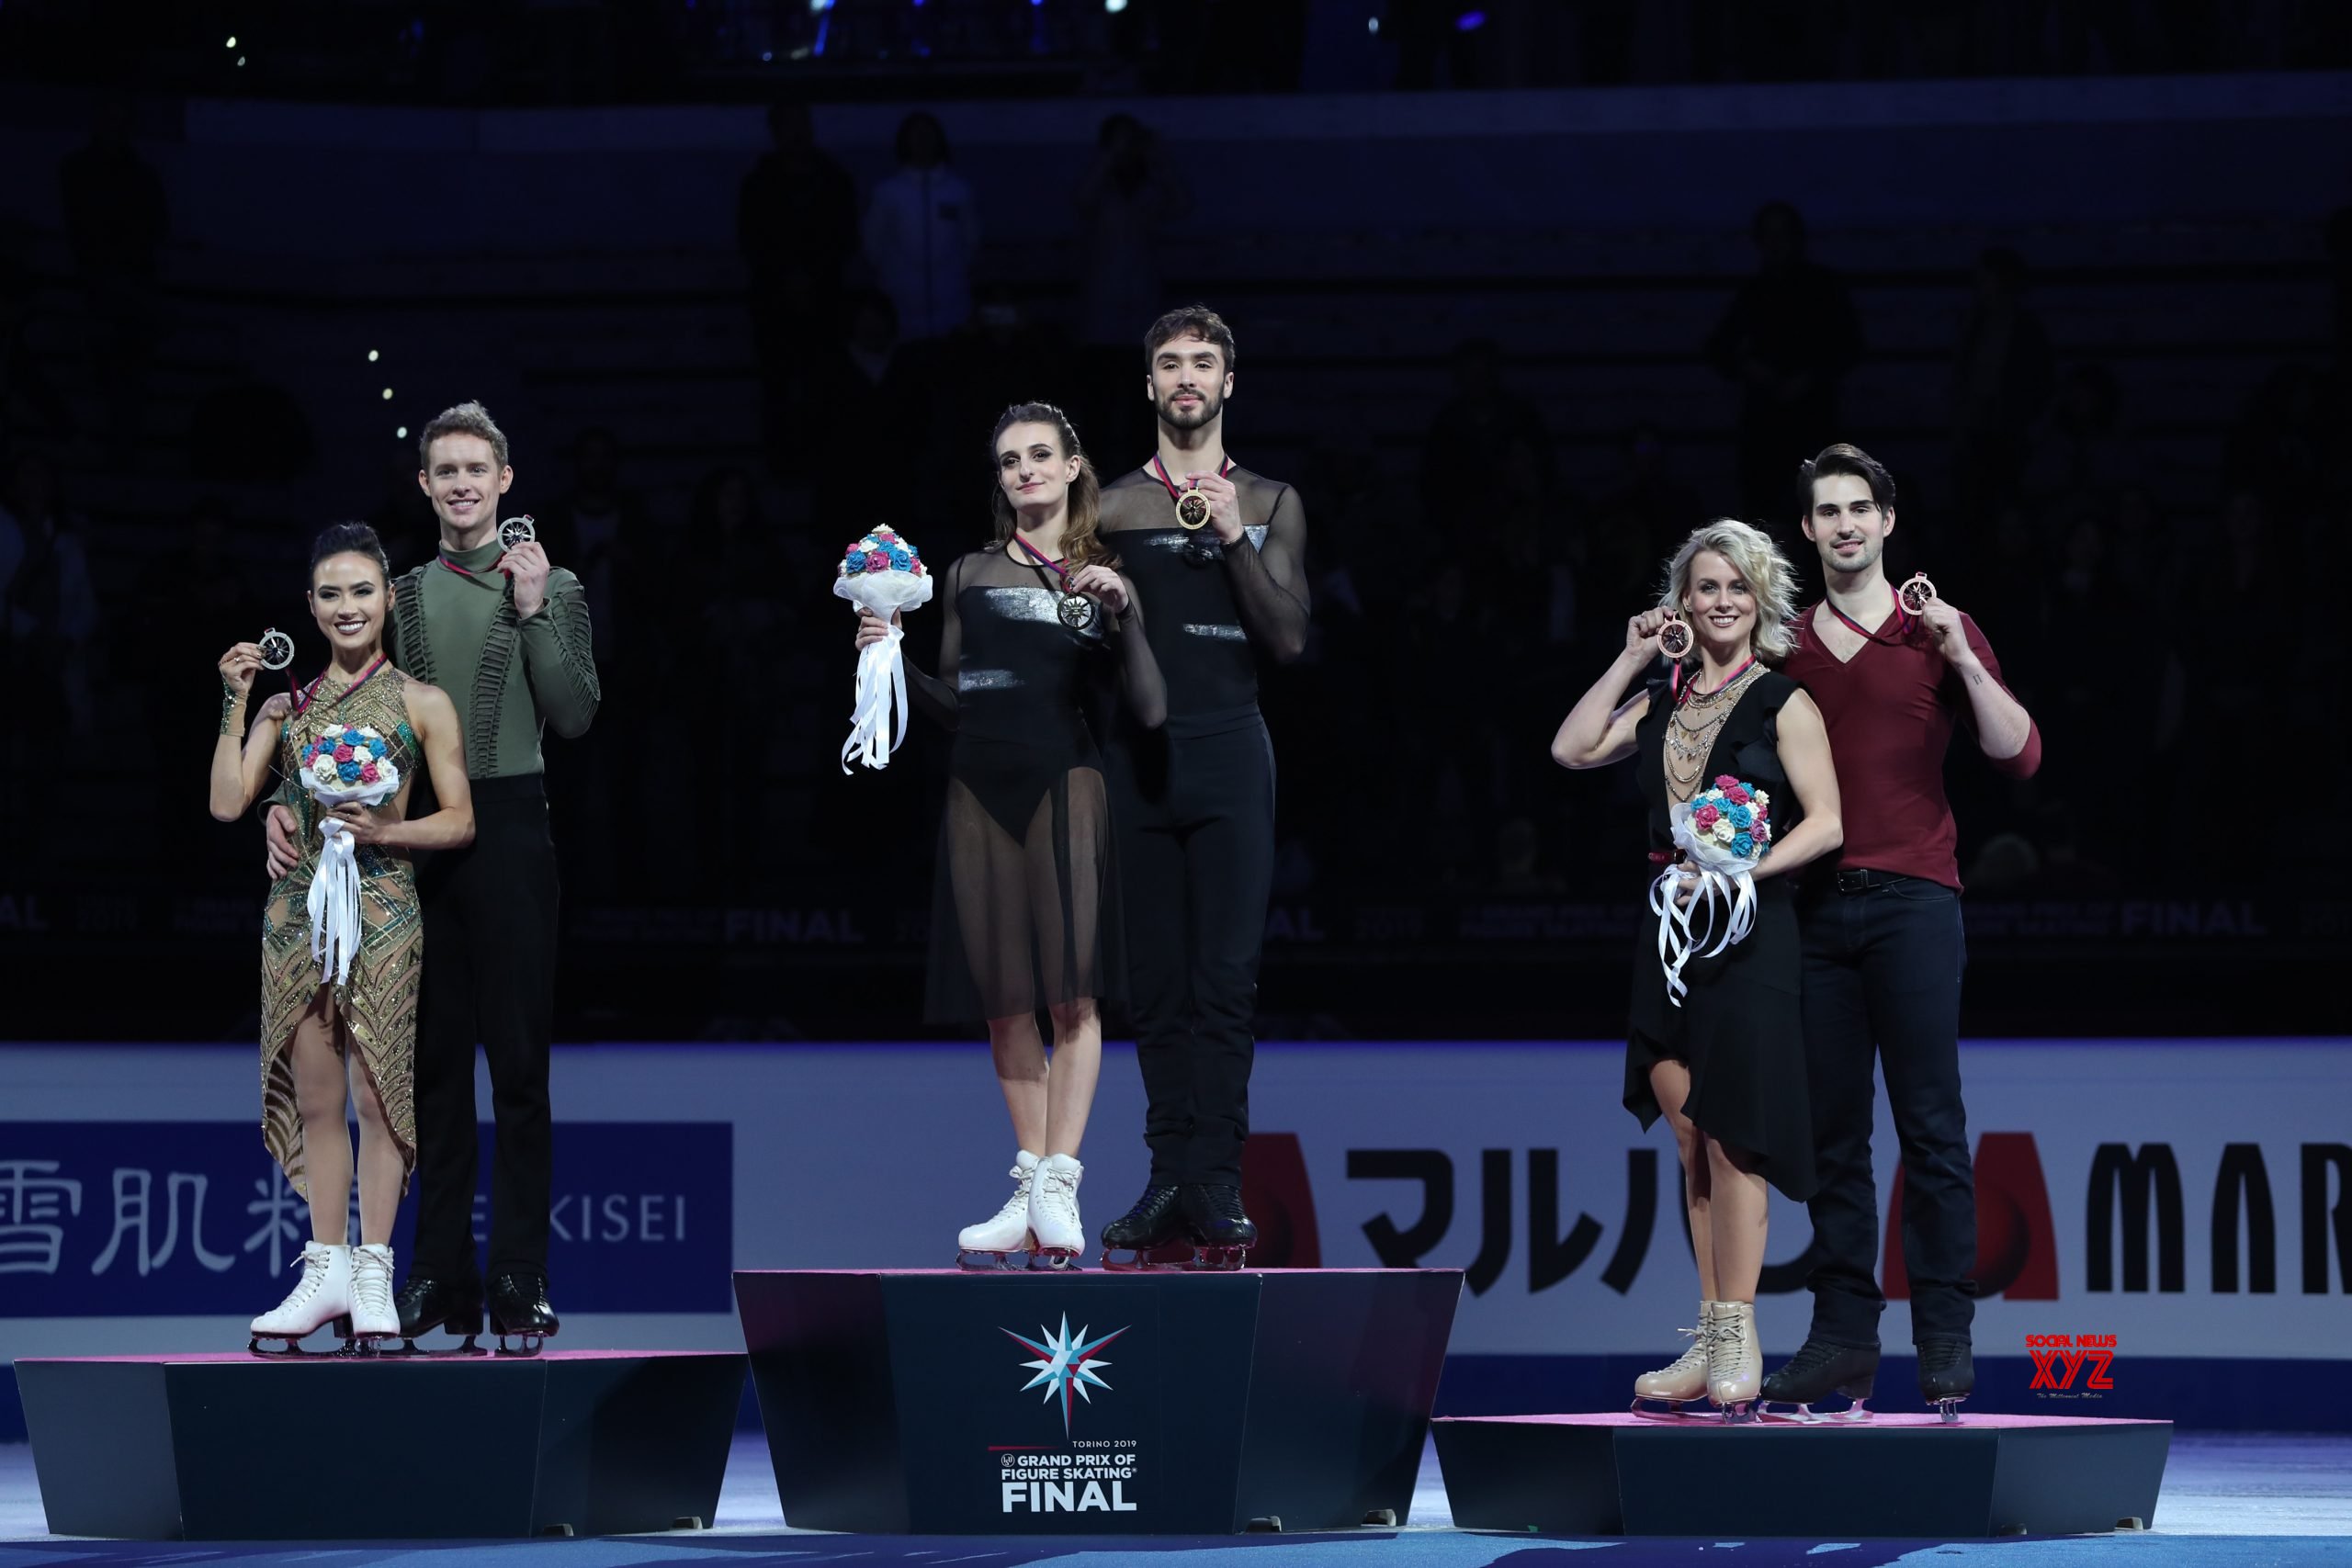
<point x="303" y="698"/>
<point x="1158" y="471"/>
<point x="1904" y="621"/>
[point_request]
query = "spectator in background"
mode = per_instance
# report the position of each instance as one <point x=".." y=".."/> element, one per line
<point x="117" y="220"/>
<point x="2084" y="454"/>
<point x="1643" y="516"/>
<point x="872" y="400"/>
<point x="2002" y="372"/>
<point x="1788" y="341"/>
<point x="1465" y="479"/>
<point x="796" y="221"/>
<point x="600" y="527"/>
<point x="921" y="232"/>
<point x="24" y="384"/>
<point x="49" y="608"/>
<point x="1130" y="198"/>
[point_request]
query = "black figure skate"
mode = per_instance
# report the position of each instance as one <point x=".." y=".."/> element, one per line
<point x="426" y="1304"/>
<point x="519" y="1311"/>
<point x="1817" y="1371"/>
<point x="1947" y="1375"/>
<point x="1222" y="1233"/>
<point x="1144" y="1236"/>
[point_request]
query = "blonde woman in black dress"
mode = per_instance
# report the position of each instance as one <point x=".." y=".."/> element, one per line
<point x="1726" y="1066"/>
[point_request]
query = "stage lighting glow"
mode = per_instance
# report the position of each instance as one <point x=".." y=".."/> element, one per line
<point x="1114" y="6"/>
<point x="820" y="5"/>
<point x="388" y="394"/>
<point x="371" y="356"/>
<point x="231" y="43"/>
<point x="767" y="57"/>
<point x="1470" y="22"/>
<point x="240" y="59"/>
<point x="402" y="434"/>
<point x="1372" y="23"/>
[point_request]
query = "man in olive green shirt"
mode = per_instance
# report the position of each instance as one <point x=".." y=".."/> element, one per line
<point x="506" y="635"/>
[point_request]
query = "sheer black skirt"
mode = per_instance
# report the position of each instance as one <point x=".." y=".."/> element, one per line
<point x="1025" y="903"/>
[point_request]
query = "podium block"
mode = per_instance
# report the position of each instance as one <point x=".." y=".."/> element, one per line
<point x="1894" y="1475"/>
<point x="1093" y="1402"/>
<point x="229" y="1447"/>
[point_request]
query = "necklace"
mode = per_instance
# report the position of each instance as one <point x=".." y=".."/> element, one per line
<point x="1690" y="736"/>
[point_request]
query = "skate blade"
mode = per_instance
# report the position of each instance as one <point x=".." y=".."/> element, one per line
<point x="371" y="1345"/>
<point x="1160" y="1258"/>
<point x="1739" y="1412"/>
<point x="1055" y="1259"/>
<point x="972" y="1262"/>
<point x="1948" y="1409"/>
<point x="528" y="1345"/>
<point x="1653" y="1407"/>
<point x="1218" y="1259"/>
<point x="1807" y="1416"/>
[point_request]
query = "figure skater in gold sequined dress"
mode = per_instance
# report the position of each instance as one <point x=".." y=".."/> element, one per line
<point x="316" y="1029"/>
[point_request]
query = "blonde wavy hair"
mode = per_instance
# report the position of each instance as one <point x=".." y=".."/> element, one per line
<point x="1757" y="560"/>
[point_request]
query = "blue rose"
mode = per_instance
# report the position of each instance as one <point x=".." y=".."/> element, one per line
<point x="347" y="772"/>
<point x="1742" y="845"/>
<point x="855" y="563"/>
<point x="900" y="560"/>
<point x="1742" y="818"/>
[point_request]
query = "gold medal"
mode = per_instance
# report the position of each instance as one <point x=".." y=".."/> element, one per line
<point x="1193" y="510"/>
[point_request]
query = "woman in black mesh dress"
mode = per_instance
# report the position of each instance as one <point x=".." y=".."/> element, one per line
<point x="1026" y="913"/>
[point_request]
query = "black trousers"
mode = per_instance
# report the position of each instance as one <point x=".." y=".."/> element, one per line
<point x="1195" y="822"/>
<point x="1882" y="980"/>
<point x="490" y="931"/>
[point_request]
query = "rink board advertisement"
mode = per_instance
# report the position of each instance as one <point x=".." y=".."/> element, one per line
<point x="2151" y="1200"/>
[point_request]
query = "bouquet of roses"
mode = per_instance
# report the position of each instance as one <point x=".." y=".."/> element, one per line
<point x="882" y="573"/>
<point x="343" y="764"/>
<point x="1724" y="833"/>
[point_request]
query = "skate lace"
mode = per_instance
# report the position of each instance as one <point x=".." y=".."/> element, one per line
<point x="1698" y="1348"/>
<point x="1724" y="1340"/>
<point x="1018" y="1204"/>
<point x="1058" y="1188"/>
<point x="315" y="1276"/>
<point x="371" y="1283"/>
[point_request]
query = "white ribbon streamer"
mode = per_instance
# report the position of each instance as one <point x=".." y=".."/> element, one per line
<point x="335" y="902"/>
<point x="1693" y="931"/>
<point x="877" y="724"/>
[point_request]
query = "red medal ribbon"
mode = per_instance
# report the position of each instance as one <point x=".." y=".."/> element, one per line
<point x="1683" y="696"/>
<point x="468" y="572"/>
<point x="1158" y="471"/>
<point x="303" y="698"/>
<point x="1902" y="624"/>
<point x="1038" y="556"/>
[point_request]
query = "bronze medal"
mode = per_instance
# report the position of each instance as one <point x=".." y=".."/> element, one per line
<point x="1917" y="593"/>
<point x="1674" y="637"/>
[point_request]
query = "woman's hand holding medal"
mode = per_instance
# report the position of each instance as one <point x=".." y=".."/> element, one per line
<point x="1643" y="632"/>
<point x="1098" y="581"/>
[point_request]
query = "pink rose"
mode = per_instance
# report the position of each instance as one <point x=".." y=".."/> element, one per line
<point x="916" y="569"/>
<point x="1705" y="816"/>
<point x="878" y="561"/>
<point x="1737" y="796"/>
<point x="1726" y="782"/>
<point x="343" y="753"/>
<point x="368" y="775"/>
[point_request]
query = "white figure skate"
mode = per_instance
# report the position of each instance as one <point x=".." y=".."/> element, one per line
<point x="997" y="1243"/>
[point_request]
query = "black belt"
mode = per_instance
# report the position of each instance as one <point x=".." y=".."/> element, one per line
<point x="1861" y="879"/>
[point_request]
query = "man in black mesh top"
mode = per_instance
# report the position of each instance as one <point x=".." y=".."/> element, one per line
<point x="1219" y="554"/>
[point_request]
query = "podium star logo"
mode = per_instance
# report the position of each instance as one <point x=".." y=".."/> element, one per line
<point x="1068" y="1363"/>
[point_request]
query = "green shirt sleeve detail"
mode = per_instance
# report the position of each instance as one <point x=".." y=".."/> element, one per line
<point x="559" y="658"/>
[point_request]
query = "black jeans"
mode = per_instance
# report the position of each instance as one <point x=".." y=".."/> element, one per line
<point x="1881" y="979"/>
<point x="1195" y="822"/>
<point x="489" y="934"/>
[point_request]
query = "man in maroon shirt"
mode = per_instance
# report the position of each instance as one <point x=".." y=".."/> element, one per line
<point x="1883" y="949"/>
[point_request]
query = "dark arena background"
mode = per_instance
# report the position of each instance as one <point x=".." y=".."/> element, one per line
<point x="1523" y="291"/>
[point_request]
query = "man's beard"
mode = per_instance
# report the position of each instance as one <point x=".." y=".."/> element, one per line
<point x="1209" y="409"/>
<point x="1871" y="550"/>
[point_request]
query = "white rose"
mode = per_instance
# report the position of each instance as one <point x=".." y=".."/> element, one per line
<point x="1722" y="831"/>
<point x="1761" y="799"/>
<point x="323" y="769"/>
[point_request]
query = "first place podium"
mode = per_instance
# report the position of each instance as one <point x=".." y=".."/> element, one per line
<point x="1091" y="1402"/>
